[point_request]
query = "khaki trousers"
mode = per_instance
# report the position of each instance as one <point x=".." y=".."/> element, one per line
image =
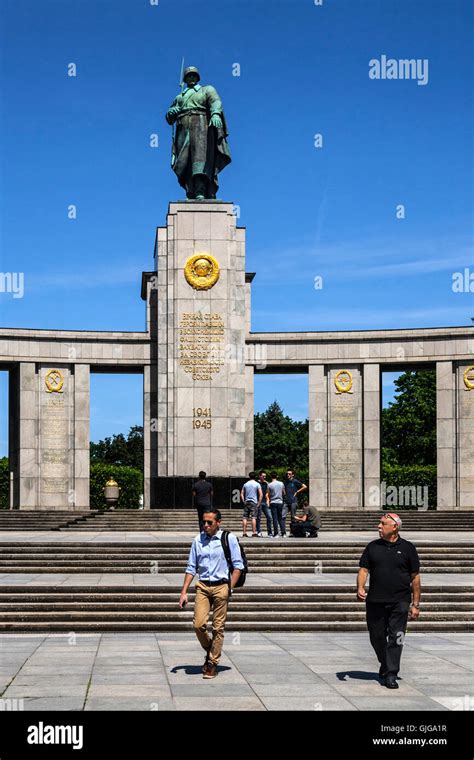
<point x="210" y="598"/>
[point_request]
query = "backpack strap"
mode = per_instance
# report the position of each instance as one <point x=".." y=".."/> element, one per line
<point x="226" y="548"/>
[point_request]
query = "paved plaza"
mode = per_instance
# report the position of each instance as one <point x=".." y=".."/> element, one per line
<point x="258" y="671"/>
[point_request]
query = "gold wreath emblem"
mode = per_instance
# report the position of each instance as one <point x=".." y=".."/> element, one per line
<point x="201" y="271"/>
<point x="343" y="381"/>
<point x="54" y="381"/>
<point x="469" y="378"/>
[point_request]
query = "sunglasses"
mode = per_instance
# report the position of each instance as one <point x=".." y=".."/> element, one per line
<point x="208" y="522"/>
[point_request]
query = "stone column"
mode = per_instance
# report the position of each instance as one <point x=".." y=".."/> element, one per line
<point x="49" y="438"/>
<point x="446" y="435"/>
<point x="23" y="436"/>
<point x="345" y="443"/>
<point x="56" y="418"/>
<point x="249" y="277"/>
<point x="465" y="427"/>
<point x="372" y="412"/>
<point x="150" y="446"/>
<point x="249" y="419"/>
<point x="318" y="436"/>
<point x="80" y="497"/>
<point x="164" y="369"/>
<point x="201" y="345"/>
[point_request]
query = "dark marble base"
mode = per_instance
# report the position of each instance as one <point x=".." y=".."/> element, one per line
<point x="176" y="492"/>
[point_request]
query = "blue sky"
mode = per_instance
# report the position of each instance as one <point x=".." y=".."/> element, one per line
<point x="309" y="212"/>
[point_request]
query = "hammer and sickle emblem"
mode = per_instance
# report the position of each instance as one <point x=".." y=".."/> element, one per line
<point x="54" y="381"/>
<point x="201" y="271"/>
<point x="343" y="381"/>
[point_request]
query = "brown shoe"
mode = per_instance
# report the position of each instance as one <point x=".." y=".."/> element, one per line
<point x="211" y="671"/>
<point x="206" y="661"/>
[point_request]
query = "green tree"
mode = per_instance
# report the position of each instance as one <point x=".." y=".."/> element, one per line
<point x="409" y="422"/>
<point x="279" y="440"/>
<point x="4" y="483"/>
<point x="120" y="450"/>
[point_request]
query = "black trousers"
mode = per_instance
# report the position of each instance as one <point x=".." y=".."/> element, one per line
<point x="387" y="624"/>
<point x="200" y="511"/>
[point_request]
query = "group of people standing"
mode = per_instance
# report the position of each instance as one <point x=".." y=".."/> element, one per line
<point x="275" y="499"/>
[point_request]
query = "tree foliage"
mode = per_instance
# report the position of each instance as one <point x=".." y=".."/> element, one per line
<point x="4" y="483"/>
<point x="409" y="422"/>
<point x="280" y="441"/>
<point x="120" y="450"/>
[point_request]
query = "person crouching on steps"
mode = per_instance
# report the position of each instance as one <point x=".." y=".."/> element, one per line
<point x="214" y="587"/>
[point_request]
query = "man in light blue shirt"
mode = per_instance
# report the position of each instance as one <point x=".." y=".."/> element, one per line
<point x="213" y="589"/>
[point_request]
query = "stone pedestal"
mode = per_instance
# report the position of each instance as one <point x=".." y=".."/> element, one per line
<point x="49" y="436"/>
<point x="202" y="405"/>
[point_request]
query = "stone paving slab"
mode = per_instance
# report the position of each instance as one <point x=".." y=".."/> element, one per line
<point x="176" y="579"/>
<point x="333" y="537"/>
<point x="258" y="671"/>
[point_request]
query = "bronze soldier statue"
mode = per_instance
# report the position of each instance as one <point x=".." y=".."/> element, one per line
<point x="200" y="150"/>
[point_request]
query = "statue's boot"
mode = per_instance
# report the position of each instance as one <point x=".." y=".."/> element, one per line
<point x="200" y="187"/>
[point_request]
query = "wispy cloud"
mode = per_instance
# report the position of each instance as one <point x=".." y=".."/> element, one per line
<point x="364" y="259"/>
<point x="85" y="278"/>
<point x="359" y="318"/>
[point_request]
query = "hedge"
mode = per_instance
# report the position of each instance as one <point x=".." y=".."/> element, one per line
<point x="393" y="475"/>
<point x="129" y="479"/>
<point x="410" y="477"/>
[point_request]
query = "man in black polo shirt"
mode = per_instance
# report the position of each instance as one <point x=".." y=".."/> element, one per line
<point x="394" y="567"/>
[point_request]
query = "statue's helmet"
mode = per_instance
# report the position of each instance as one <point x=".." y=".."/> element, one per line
<point x="191" y="70"/>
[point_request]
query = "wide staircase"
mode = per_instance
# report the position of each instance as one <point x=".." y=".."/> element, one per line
<point x="82" y="609"/>
<point x="40" y="519"/>
<point x="132" y="604"/>
<point x="178" y="520"/>
<point x="186" y="520"/>
<point x="264" y="556"/>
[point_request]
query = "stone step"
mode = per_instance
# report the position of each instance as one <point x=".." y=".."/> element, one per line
<point x="172" y="517"/>
<point x="164" y="616"/>
<point x="255" y="606"/>
<point x="312" y="596"/>
<point x="261" y="547"/>
<point x="52" y="608"/>
<point x="173" y="557"/>
<point x="307" y="552"/>
<point x="234" y="623"/>
<point x="185" y="519"/>
<point x="160" y="569"/>
<point x="29" y="627"/>
<point x="280" y="546"/>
